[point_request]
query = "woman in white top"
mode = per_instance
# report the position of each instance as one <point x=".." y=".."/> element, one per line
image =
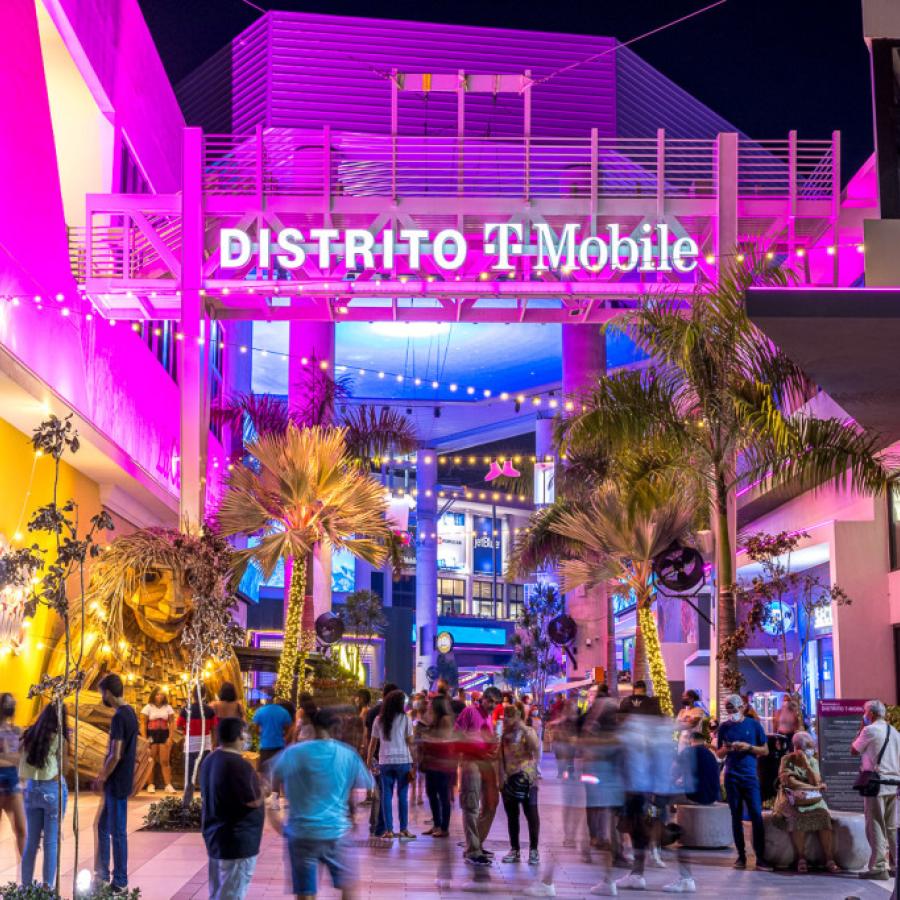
<point x="392" y="735"/>
<point x="158" y="727"/>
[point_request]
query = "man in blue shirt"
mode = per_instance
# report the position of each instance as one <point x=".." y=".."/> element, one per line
<point x="741" y="741"/>
<point x="317" y="777"/>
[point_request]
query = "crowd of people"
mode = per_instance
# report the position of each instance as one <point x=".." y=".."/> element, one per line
<point x="623" y="769"/>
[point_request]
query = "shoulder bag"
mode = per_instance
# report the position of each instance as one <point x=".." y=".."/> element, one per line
<point x="868" y="782"/>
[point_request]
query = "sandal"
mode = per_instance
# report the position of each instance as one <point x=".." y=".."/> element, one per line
<point x="802" y="866"/>
<point x="832" y="867"/>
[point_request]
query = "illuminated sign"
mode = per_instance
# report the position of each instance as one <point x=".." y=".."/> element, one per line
<point x="654" y="249"/>
<point x="444" y="642"/>
<point x="451" y="538"/>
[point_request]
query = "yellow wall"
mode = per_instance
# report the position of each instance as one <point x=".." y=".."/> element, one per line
<point x="26" y="482"/>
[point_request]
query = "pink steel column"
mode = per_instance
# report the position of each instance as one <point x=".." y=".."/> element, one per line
<point x="584" y="362"/>
<point x="726" y="231"/>
<point x="426" y="564"/>
<point x="192" y="377"/>
<point x="313" y="342"/>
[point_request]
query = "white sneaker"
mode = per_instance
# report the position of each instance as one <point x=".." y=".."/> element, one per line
<point x="540" y="889"/>
<point x="151" y="788"/>
<point x="656" y="858"/>
<point x="169" y="789"/>
<point x="632" y="882"/>
<point x="682" y="886"/>
<point x="605" y="889"/>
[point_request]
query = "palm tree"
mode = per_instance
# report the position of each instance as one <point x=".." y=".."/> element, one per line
<point x="718" y="391"/>
<point x="612" y="534"/>
<point x="305" y="489"/>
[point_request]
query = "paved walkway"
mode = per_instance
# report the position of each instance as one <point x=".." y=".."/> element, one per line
<point x="173" y="866"/>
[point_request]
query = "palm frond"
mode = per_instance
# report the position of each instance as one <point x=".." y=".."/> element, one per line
<point x="371" y="432"/>
<point x="264" y="413"/>
<point x="539" y="546"/>
<point x="307" y="490"/>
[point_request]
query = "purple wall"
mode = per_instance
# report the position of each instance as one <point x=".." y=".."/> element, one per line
<point x="105" y="373"/>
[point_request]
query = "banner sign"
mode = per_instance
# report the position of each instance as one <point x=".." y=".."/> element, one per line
<point x="652" y="249"/>
<point x="487" y="547"/>
<point x="838" y="723"/>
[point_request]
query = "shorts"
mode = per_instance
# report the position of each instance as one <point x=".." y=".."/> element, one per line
<point x="305" y="855"/>
<point x="157" y="735"/>
<point x="9" y="780"/>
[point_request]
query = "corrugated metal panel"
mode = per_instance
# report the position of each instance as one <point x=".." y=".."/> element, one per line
<point x="314" y="70"/>
<point x="647" y="100"/>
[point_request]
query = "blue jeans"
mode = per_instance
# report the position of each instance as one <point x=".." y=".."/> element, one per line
<point x="112" y="827"/>
<point x="740" y="791"/>
<point x="395" y="774"/>
<point x="42" y="818"/>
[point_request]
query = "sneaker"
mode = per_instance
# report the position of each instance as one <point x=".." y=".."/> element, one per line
<point x="540" y="889"/>
<point x="875" y="875"/>
<point x="605" y="889"/>
<point x="682" y="886"/>
<point x="533" y="857"/>
<point x="406" y="835"/>
<point x="151" y="788"/>
<point x="763" y="866"/>
<point x="632" y="882"/>
<point x="656" y="859"/>
<point x="479" y="860"/>
<point x="169" y="789"/>
<point x="488" y="853"/>
<point x="512" y="857"/>
<point x="739" y="863"/>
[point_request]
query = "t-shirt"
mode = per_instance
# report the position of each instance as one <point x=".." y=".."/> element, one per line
<point x="317" y="777"/>
<point x="157" y="716"/>
<point x="124" y="728"/>
<point x="868" y="744"/>
<point x="232" y="816"/>
<point x="741" y="763"/>
<point x="641" y="704"/>
<point x="393" y="749"/>
<point x="200" y="729"/>
<point x="474" y="722"/>
<point x="699" y="770"/>
<point x="272" y="720"/>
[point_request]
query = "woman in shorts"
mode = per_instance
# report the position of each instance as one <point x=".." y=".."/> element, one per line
<point x="158" y="727"/>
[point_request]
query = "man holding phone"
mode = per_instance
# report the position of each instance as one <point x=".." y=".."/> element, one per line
<point x="741" y="741"/>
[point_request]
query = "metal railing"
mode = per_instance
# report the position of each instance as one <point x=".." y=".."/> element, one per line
<point x="326" y="163"/>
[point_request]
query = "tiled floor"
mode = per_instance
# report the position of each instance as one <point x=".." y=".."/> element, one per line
<point x="173" y="866"/>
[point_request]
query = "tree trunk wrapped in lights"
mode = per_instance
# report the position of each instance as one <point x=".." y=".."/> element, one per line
<point x="293" y="657"/>
<point x="655" y="661"/>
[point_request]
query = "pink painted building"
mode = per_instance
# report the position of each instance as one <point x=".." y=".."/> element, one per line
<point x="124" y="313"/>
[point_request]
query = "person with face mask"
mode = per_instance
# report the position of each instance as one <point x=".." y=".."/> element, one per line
<point x="800" y="806"/>
<point x="740" y="741"/>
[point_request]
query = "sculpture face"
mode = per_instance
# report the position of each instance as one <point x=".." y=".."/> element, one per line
<point x="159" y="607"/>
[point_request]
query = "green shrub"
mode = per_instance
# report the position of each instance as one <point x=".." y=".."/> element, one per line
<point x="169" y="814"/>
<point x="35" y="891"/>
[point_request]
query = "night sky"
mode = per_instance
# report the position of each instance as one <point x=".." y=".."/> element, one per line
<point x="766" y="65"/>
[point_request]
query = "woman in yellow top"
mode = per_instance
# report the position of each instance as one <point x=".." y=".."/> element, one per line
<point x="39" y="767"/>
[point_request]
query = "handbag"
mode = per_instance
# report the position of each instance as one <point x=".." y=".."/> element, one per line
<point x="517" y="786"/>
<point x="868" y="781"/>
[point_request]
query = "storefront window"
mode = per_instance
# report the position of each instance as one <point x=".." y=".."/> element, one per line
<point x="483" y="604"/>
<point x="515" y="595"/>
<point x="451" y="596"/>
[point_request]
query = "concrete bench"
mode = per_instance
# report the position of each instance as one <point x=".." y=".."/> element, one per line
<point x="851" y="849"/>
<point x="704" y="827"/>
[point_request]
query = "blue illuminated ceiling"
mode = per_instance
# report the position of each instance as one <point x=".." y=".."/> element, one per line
<point x="495" y="358"/>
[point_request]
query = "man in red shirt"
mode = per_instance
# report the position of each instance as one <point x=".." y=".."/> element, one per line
<point x="480" y="790"/>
